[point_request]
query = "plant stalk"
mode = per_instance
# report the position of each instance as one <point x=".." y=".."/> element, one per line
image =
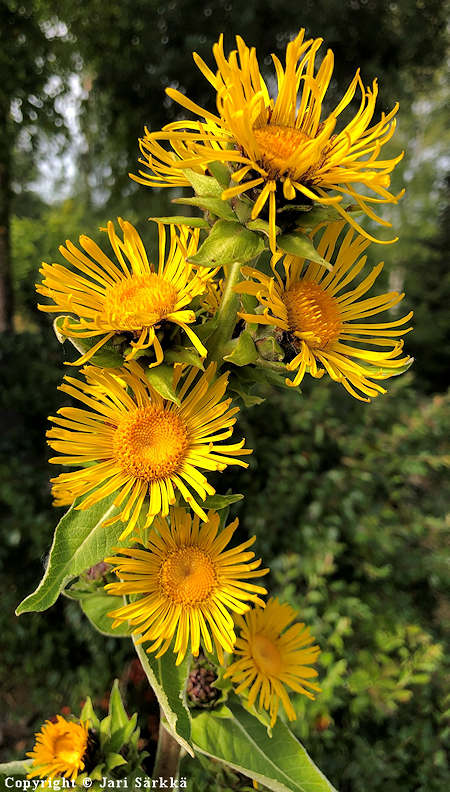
<point x="226" y="315"/>
<point x="167" y="755"/>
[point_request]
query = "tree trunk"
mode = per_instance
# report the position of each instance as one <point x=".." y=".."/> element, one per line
<point x="6" y="290"/>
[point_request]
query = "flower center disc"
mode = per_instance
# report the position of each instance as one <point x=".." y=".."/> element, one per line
<point x="188" y="576"/>
<point x="150" y="443"/>
<point x="313" y="312"/>
<point x="266" y="655"/>
<point x="278" y="144"/>
<point x="63" y="750"/>
<point x="139" y="301"/>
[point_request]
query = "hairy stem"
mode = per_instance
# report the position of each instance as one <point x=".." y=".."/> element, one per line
<point x="226" y="315"/>
<point x="167" y="755"/>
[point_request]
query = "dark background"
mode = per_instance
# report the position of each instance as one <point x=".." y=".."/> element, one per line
<point x="346" y="499"/>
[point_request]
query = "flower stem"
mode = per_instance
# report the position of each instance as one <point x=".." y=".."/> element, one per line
<point x="226" y="315"/>
<point x="167" y="755"/>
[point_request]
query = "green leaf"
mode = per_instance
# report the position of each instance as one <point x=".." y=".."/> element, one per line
<point x="161" y="379"/>
<point x="248" y="399"/>
<point x="192" y="222"/>
<point x="220" y="172"/>
<point x="114" y="760"/>
<point x="107" y="357"/>
<point x="203" y="185"/>
<point x="227" y="243"/>
<point x="214" y="205"/>
<point x="79" y="542"/>
<point x="88" y="714"/>
<point x="235" y="737"/>
<point x="119" y="717"/>
<point x="96" y="607"/>
<point x="168" y="682"/>
<point x="218" y="502"/>
<point x="19" y="768"/>
<point x="179" y="354"/>
<point x="243" y="350"/>
<point x="300" y="245"/>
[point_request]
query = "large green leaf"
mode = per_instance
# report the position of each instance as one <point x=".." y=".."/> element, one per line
<point x="227" y="243"/>
<point x="234" y="736"/>
<point x="169" y="682"/>
<point x="241" y="351"/>
<point x="19" y="768"/>
<point x="161" y="379"/>
<point x="79" y="542"/>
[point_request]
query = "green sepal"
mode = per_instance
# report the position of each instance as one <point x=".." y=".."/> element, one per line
<point x="169" y="684"/>
<point x="248" y="399"/>
<point x="218" y="502"/>
<point x="242" y="207"/>
<point x="221" y="173"/>
<point x="386" y="373"/>
<point x="242" y="350"/>
<point x="20" y="768"/>
<point x="79" y="542"/>
<point x="96" y="774"/>
<point x="203" y="185"/>
<point x="192" y="222"/>
<point x="308" y="220"/>
<point x="298" y="244"/>
<point x="227" y="243"/>
<point x="269" y="349"/>
<point x="116" y="709"/>
<point x="180" y="354"/>
<point x="262" y="226"/>
<point x="213" y="205"/>
<point x="87" y="714"/>
<point x="161" y="379"/>
<point x="107" y="357"/>
<point x="232" y="735"/>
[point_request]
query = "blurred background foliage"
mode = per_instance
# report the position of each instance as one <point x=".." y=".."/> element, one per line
<point x="347" y="500"/>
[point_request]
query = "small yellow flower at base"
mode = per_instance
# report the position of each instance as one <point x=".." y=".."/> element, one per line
<point x="59" y="749"/>
<point x="273" y="656"/>
<point x="187" y="585"/>
<point x="321" y="323"/>
<point x="129" y="295"/>
<point x="140" y="445"/>
<point x="280" y="149"/>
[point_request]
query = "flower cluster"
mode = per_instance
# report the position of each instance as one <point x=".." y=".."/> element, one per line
<point x="168" y="342"/>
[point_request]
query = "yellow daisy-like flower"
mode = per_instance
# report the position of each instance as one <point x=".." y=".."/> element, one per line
<point x="129" y="295"/>
<point x="320" y="324"/>
<point x="141" y="445"/>
<point x="59" y="749"/>
<point x="280" y="149"/>
<point x="188" y="584"/>
<point x="273" y="656"/>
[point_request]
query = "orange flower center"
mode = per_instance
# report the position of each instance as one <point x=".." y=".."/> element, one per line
<point x="139" y="301"/>
<point x="312" y="313"/>
<point x="188" y="576"/>
<point x="63" y="749"/>
<point x="278" y="144"/>
<point x="266" y="655"/>
<point x="150" y="443"/>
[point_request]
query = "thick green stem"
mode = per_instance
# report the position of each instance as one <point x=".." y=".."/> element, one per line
<point x="226" y="315"/>
<point x="167" y="755"/>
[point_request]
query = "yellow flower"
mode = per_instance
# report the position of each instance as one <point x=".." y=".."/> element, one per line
<point x="129" y="295"/>
<point x="281" y="150"/>
<point x="141" y="445"/>
<point x="320" y="324"/>
<point x="273" y="656"/>
<point x="188" y="584"/>
<point x="59" y="749"/>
